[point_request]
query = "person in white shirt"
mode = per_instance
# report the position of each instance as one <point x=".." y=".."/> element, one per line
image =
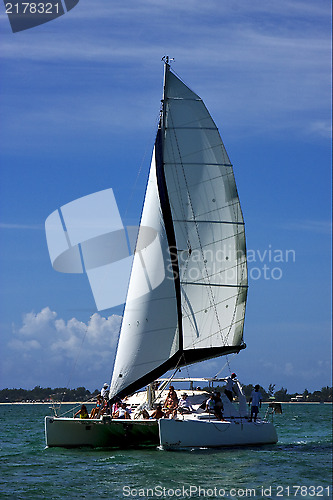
<point x="104" y="391"/>
<point x="184" y="405"/>
<point x="255" y="401"/>
<point x="122" y="412"/>
<point x="228" y="389"/>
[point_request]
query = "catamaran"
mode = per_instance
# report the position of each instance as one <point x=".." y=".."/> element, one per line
<point x="187" y="293"/>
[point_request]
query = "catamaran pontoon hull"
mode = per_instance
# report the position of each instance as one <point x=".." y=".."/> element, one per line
<point x="176" y="434"/>
<point x="106" y="433"/>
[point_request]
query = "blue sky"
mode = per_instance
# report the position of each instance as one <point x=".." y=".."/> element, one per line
<point x="79" y="100"/>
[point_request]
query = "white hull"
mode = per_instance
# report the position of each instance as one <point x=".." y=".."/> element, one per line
<point x="70" y="432"/>
<point x="175" y="434"/>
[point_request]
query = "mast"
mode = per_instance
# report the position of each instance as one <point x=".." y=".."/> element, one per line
<point x="166" y="61"/>
<point x="165" y="202"/>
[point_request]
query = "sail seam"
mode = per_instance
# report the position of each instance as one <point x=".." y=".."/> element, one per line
<point x="211" y="222"/>
<point x="200" y="150"/>
<point x="190" y="128"/>
<point x="220" y="302"/>
<point x="213" y="284"/>
<point x="194" y="342"/>
<point x="183" y="99"/>
<point x="200" y="164"/>
<point x="229" y="205"/>
<point x="213" y="243"/>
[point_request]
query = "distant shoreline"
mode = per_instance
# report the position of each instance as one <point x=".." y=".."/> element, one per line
<point x="77" y="403"/>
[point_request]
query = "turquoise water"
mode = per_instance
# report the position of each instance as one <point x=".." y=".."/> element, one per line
<point x="299" y="466"/>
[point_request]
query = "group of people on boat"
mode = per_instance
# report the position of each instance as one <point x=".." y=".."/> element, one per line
<point x="118" y="410"/>
<point x="172" y="405"/>
<point x="99" y="409"/>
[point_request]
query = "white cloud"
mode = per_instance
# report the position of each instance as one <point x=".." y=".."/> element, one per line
<point x="321" y="127"/>
<point x="50" y="349"/>
<point x="312" y="226"/>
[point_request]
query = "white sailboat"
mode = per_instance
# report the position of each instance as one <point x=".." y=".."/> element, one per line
<point x="187" y="293"/>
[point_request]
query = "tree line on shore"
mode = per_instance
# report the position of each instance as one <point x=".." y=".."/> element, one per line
<point x="40" y="394"/>
<point x="324" y="395"/>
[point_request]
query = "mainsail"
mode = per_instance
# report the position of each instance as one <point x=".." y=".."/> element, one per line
<point x="187" y="293"/>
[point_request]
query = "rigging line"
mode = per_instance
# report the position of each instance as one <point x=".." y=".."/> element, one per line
<point x="212" y="335"/>
<point x="170" y="378"/>
<point x="198" y="311"/>
<point x="77" y="406"/>
<point x="75" y="362"/>
<point x="229" y="204"/>
<point x="227" y="363"/>
<point x="130" y="199"/>
<point x="210" y="148"/>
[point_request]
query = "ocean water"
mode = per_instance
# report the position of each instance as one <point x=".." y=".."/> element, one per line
<point x="299" y="466"/>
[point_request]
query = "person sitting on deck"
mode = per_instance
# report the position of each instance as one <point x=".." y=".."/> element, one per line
<point x="157" y="413"/>
<point x="171" y="403"/>
<point x="96" y="412"/>
<point x="184" y="405"/>
<point x="214" y="405"/>
<point x="144" y="414"/>
<point x="210" y="404"/>
<point x="122" y="412"/>
<point x="106" y="407"/>
<point x="82" y="412"/>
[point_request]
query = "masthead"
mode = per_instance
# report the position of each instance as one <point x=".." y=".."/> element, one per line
<point x="167" y="59"/>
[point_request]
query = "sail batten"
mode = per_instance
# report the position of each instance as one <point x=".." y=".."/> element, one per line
<point x="199" y="164"/>
<point x="193" y="283"/>
<point x="191" y="128"/>
<point x="196" y="221"/>
<point x="187" y="293"/>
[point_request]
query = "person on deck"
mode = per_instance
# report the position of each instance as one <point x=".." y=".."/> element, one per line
<point x="122" y="412"/>
<point x="157" y="413"/>
<point x="171" y="403"/>
<point x="104" y="391"/>
<point x="228" y="390"/>
<point x="210" y="404"/>
<point x="82" y="412"/>
<point x="218" y="407"/>
<point x="255" y="401"/>
<point x="184" y="405"/>
<point x="96" y="412"/>
<point x="144" y="414"/>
